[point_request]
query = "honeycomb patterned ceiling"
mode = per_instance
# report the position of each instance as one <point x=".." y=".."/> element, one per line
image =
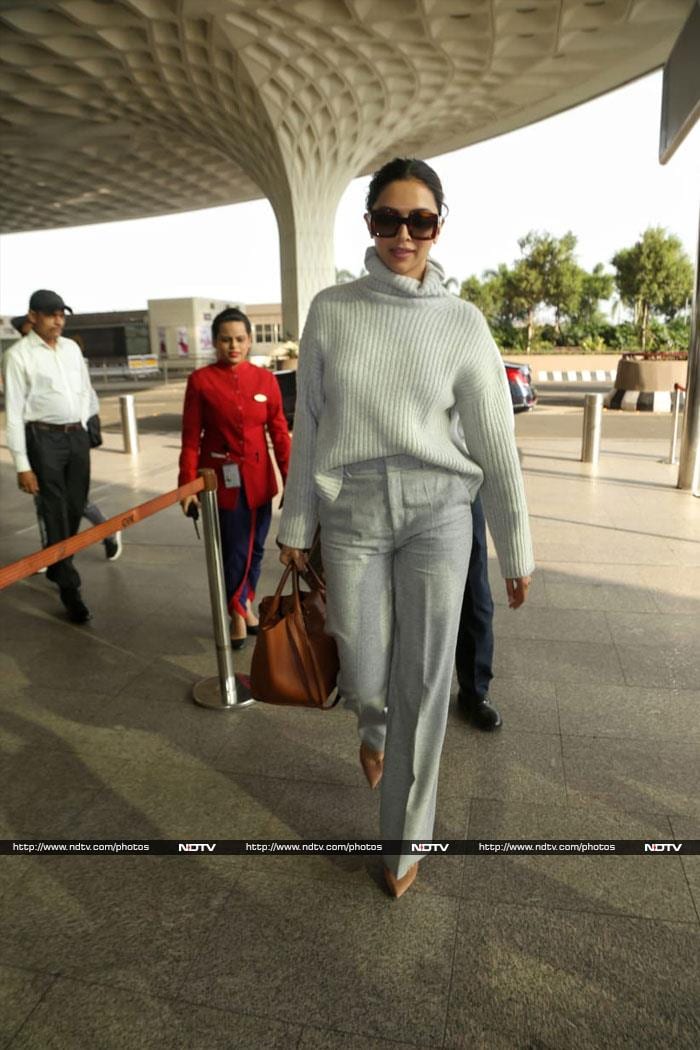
<point x="115" y="110"/>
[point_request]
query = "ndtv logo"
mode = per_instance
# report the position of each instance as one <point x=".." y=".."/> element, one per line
<point x="662" y="847"/>
<point x="196" y="847"/>
<point x="429" y="847"/>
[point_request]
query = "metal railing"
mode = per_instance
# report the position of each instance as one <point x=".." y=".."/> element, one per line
<point x="221" y="692"/>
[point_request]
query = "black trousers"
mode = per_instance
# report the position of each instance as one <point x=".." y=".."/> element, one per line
<point x="474" y="655"/>
<point x="61" y="462"/>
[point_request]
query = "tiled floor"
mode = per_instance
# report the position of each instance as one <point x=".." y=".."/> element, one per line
<point x="598" y="681"/>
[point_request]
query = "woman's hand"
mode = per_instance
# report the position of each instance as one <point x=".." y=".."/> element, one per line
<point x="187" y="502"/>
<point x="295" y="554"/>
<point x="516" y="590"/>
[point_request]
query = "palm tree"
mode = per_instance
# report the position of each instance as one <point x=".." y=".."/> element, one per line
<point x="345" y="276"/>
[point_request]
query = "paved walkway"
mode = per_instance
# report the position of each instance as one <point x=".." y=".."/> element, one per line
<point x="597" y="680"/>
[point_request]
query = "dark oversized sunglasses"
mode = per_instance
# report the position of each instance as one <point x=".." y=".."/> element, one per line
<point x="422" y="225"/>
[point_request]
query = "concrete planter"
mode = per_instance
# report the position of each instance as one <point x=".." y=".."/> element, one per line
<point x="646" y="386"/>
<point x="650" y="375"/>
<point x="284" y="364"/>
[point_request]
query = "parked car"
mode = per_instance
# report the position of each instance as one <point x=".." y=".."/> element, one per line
<point x="288" y="388"/>
<point x="522" y="392"/>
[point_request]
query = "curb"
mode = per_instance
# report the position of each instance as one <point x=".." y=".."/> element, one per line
<point x="585" y="376"/>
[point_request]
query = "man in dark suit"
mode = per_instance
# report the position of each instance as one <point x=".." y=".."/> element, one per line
<point x="474" y="653"/>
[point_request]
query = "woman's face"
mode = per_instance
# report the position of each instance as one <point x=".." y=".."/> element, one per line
<point x="401" y="253"/>
<point x="232" y="343"/>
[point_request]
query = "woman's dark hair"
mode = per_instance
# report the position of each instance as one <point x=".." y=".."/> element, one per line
<point x="229" y="314"/>
<point x="400" y="169"/>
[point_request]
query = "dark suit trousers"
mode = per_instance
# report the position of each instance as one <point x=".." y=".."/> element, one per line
<point x="61" y="463"/>
<point x="474" y="655"/>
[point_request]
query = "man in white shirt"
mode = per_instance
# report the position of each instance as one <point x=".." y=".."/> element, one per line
<point x="112" y="544"/>
<point x="47" y="400"/>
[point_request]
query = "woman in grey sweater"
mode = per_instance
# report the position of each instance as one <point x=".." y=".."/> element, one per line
<point x="384" y="362"/>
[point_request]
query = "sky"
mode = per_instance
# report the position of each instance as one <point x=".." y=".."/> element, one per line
<point x="593" y="170"/>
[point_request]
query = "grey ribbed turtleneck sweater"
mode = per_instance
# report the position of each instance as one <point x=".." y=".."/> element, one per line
<point x="383" y="362"/>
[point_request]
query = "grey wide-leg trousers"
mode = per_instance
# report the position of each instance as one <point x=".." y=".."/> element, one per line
<point x="395" y="547"/>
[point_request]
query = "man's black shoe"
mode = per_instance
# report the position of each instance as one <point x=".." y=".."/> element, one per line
<point x="480" y="713"/>
<point x="76" y="608"/>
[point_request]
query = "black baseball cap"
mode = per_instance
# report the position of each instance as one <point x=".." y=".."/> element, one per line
<point x="18" y="322"/>
<point x="46" y="302"/>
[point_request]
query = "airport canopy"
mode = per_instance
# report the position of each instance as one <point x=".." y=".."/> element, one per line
<point x="128" y="108"/>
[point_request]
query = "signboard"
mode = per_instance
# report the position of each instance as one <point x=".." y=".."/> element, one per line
<point x="205" y="343"/>
<point x="143" y="363"/>
<point x="680" y="105"/>
<point x="183" y="342"/>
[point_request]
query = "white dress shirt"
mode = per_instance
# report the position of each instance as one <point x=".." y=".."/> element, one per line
<point x="43" y="383"/>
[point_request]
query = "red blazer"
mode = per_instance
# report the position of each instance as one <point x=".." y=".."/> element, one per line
<point x="226" y="412"/>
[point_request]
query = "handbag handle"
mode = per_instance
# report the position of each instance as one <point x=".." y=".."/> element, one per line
<point x="273" y="609"/>
<point x="320" y="584"/>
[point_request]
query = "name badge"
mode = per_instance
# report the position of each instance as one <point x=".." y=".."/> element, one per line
<point x="259" y="397"/>
<point x="232" y="476"/>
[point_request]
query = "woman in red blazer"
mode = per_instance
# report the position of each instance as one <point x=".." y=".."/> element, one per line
<point x="230" y="406"/>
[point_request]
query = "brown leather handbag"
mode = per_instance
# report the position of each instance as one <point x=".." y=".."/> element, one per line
<point x="295" y="661"/>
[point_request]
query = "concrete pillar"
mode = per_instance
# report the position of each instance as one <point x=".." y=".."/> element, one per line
<point x="306" y="218"/>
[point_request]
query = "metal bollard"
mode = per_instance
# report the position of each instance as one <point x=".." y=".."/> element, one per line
<point x="219" y="691"/>
<point x="130" y="431"/>
<point x="677" y="390"/>
<point x="592" y="420"/>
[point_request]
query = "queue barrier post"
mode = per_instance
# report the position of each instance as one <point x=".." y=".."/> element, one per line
<point x="592" y="421"/>
<point x="220" y="692"/>
<point x="130" y="432"/>
<point x="677" y="391"/>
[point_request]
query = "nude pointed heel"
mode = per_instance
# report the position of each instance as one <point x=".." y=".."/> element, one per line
<point x="239" y="632"/>
<point x="397" y="887"/>
<point x="372" y="763"/>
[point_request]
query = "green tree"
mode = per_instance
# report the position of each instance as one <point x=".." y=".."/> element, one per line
<point x="483" y="294"/>
<point x="525" y="286"/>
<point x="547" y="274"/>
<point x="595" y="286"/>
<point x="472" y="289"/>
<point x="345" y="276"/>
<point x="654" y="278"/>
<point x="562" y="278"/>
<point x="493" y="294"/>
<point x="587" y="323"/>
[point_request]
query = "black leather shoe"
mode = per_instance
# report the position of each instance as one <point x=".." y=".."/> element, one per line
<point x="76" y="608"/>
<point x="480" y="713"/>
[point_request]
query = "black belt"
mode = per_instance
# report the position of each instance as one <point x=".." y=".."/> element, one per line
<point x="63" y="427"/>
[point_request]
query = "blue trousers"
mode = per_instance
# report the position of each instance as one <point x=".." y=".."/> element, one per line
<point x="90" y="511"/>
<point x="474" y="655"/>
<point x="243" y="534"/>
